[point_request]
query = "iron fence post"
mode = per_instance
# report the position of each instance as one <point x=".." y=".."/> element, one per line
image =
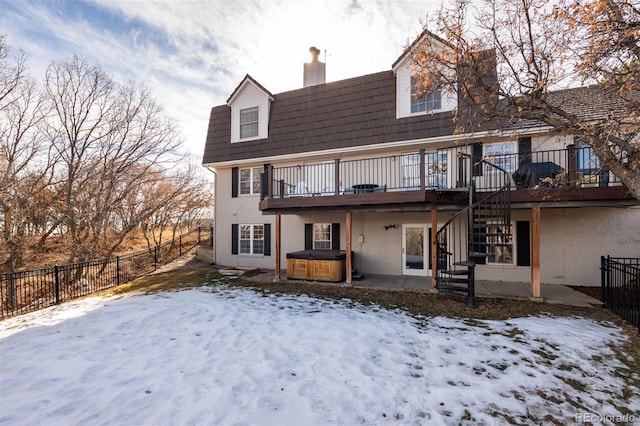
<point x="56" y="271"/>
<point x="603" y="278"/>
<point x="607" y="282"/>
<point x="12" y="297"/>
<point x="180" y="245"/>
<point x="117" y="270"/>
<point x="636" y="286"/>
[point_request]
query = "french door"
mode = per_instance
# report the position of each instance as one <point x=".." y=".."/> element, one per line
<point x="416" y="249"/>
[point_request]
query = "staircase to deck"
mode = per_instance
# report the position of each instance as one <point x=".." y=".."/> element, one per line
<point x="479" y="233"/>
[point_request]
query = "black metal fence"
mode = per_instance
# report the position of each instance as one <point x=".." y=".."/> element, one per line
<point x="28" y="291"/>
<point x="621" y="287"/>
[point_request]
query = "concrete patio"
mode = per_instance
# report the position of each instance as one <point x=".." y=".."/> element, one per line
<point x="551" y="293"/>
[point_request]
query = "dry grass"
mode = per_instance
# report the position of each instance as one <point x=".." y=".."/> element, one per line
<point x="57" y="248"/>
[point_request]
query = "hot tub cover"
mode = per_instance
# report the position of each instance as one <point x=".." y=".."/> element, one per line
<point x="318" y="255"/>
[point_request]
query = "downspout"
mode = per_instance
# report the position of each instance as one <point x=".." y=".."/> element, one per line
<point x="215" y="213"/>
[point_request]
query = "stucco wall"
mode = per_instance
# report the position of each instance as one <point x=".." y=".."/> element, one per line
<point x="572" y="240"/>
<point x="240" y="210"/>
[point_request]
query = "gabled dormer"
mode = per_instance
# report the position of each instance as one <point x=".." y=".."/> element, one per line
<point x="410" y="100"/>
<point x="250" y="103"/>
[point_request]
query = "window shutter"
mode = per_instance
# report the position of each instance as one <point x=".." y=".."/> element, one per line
<point x="235" y="182"/>
<point x="267" y="239"/>
<point x="335" y="236"/>
<point x="264" y="182"/>
<point x="524" y="150"/>
<point x="523" y="243"/>
<point x="234" y="238"/>
<point x="476" y="156"/>
<point x="479" y="245"/>
<point x="308" y="236"/>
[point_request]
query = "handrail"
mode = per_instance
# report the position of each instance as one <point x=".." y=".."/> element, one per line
<point x="456" y="243"/>
<point x="570" y="167"/>
<point x="505" y="186"/>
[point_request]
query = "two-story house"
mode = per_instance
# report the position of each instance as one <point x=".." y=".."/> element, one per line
<point x="367" y="166"/>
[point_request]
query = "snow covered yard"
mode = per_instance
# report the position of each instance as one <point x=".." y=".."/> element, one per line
<point x="233" y="356"/>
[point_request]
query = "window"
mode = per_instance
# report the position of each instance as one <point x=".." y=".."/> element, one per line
<point x="250" y="180"/>
<point x="425" y="102"/>
<point x="500" y="243"/>
<point x="436" y="170"/>
<point x="588" y="162"/>
<point x="249" y="123"/>
<point x="322" y="236"/>
<point x="411" y="171"/>
<point x="251" y="239"/>
<point x="436" y="166"/>
<point x="501" y="154"/>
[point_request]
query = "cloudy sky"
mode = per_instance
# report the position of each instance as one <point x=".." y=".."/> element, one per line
<point x="192" y="54"/>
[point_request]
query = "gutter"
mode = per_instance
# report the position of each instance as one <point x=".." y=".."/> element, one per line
<point x="388" y="146"/>
<point x="215" y="211"/>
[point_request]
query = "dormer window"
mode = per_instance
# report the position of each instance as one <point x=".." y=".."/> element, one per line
<point x="427" y="102"/>
<point x="249" y="123"/>
<point x="414" y="100"/>
<point x="250" y="104"/>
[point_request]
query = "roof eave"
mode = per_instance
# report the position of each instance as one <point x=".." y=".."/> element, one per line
<point x="423" y="35"/>
<point x="249" y="80"/>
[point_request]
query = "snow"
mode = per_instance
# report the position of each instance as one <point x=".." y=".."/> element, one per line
<point x="228" y="356"/>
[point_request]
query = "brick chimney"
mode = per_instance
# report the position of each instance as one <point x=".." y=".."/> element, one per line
<point x="314" y="71"/>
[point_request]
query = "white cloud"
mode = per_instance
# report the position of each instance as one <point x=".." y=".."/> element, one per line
<point x="192" y="54"/>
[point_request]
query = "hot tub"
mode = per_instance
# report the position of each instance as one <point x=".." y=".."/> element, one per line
<point x="317" y="265"/>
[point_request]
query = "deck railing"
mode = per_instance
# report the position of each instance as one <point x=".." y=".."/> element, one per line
<point x="440" y="169"/>
<point x="405" y="172"/>
<point x="571" y="167"/>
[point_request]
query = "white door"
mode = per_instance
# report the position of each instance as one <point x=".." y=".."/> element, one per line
<point x="416" y="246"/>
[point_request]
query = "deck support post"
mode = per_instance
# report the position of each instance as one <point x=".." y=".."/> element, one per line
<point x="535" y="252"/>
<point x="348" y="266"/>
<point x="277" y="256"/>
<point x="434" y="247"/>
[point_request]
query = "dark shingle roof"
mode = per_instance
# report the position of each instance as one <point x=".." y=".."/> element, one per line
<point x="587" y="104"/>
<point x="361" y="111"/>
<point x="354" y="112"/>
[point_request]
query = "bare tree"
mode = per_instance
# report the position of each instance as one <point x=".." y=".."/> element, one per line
<point x="12" y="73"/>
<point x="112" y="141"/>
<point x="86" y="156"/>
<point x="188" y="197"/>
<point x="540" y="47"/>
<point x="25" y="164"/>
